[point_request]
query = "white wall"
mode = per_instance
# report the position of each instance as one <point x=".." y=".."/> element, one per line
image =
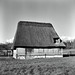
<point x="49" y="51"/>
<point x="19" y="51"/>
<point x="54" y="52"/>
<point x="14" y="54"/>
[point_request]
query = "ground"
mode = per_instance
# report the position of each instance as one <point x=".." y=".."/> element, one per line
<point x="46" y="66"/>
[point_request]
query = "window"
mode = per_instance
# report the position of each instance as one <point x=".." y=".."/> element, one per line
<point x="57" y="40"/>
<point x="40" y="50"/>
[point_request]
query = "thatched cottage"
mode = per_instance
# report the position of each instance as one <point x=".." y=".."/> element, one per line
<point x="37" y="40"/>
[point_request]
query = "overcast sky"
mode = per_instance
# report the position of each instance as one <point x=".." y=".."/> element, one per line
<point x="61" y="13"/>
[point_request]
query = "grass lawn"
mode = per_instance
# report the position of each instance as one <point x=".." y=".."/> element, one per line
<point x="49" y="66"/>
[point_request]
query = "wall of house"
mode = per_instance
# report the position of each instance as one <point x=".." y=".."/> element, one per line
<point x="47" y="53"/>
<point x="38" y="53"/>
<point x="19" y="53"/>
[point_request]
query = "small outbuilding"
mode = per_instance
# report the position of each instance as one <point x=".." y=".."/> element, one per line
<point x="5" y="50"/>
<point x="37" y="40"/>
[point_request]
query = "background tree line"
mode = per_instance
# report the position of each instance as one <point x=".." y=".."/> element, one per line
<point x="70" y="44"/>
<point x="6" y="46"/>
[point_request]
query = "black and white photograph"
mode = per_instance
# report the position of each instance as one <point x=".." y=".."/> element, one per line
<point x="37" y="37"/>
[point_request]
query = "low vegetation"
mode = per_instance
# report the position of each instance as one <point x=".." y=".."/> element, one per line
<point x="70" y="44"/>
<point x="52" y="66"/>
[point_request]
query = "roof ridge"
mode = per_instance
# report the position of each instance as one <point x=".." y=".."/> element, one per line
<point x="41" y="24"/>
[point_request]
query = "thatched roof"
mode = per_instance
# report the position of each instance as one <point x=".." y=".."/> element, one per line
<point x="34" y="34"/>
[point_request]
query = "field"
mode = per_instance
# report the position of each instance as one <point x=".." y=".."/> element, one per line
<point x="52" y="66"/>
